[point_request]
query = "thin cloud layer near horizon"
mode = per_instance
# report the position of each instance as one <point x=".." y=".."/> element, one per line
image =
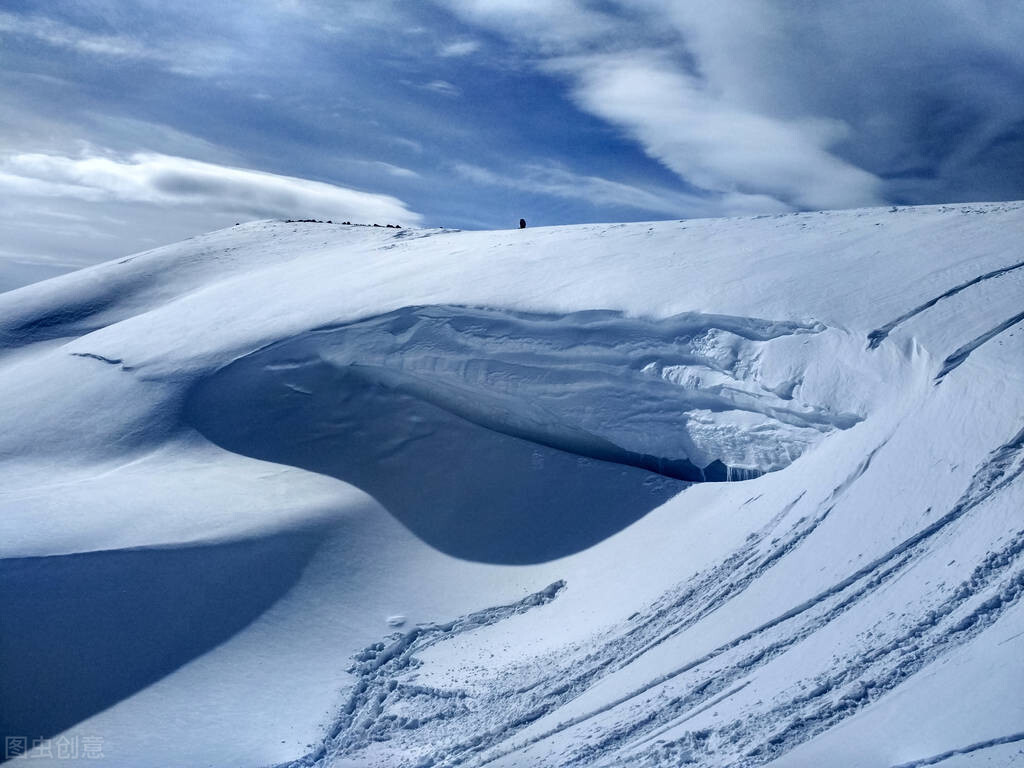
<point x="130" y="124"/>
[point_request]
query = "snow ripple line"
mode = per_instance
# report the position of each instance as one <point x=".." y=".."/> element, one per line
<point x="987" y="744"/>
<point x="931" y="637"/>
<point x="788" y="544"/>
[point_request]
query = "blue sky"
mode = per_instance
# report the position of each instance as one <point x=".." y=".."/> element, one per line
<point x="129" y="124"/>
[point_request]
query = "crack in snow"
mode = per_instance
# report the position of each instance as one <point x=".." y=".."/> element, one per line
<point x="957" y="359"/>
<point x="879" y="335"/>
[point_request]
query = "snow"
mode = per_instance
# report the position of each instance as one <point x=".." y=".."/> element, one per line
<point x="355" y="496"/>
<point x="17" y="271"/>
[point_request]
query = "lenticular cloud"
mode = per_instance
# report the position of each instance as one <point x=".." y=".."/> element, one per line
<point x="168" y="180"/>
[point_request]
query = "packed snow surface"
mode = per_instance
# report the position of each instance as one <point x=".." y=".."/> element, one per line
<point x="718" y="493"/>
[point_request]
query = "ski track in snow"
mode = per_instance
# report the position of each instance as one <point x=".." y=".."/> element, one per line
<point x="879" y="335"/>
<point x="378" y="666"/>
<point x="733" y="576"/>
<point x="996" y="584"/>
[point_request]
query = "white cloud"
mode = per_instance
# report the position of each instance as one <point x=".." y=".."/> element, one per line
<point x="443" y="87"/>
<point x="808" y="103"/>
<point x="406" y="143"/>
<point x="554" y="26"/>
<point x="164" y="180"/>
<point x="398" y="171"/>
<point x="55" y="33"/>
<point x="459" y="48"/>
<point x="715" y="144"/>
<point x="191" y="58"/>
<point x="543" y="179"/>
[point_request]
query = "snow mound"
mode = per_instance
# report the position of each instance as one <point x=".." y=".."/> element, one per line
<point x="477" y="409"/>
<point x="305" y="485"/>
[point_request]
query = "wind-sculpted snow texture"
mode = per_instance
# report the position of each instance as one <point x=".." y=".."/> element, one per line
<point x="301" y="494"/>
<point x="679" y="396"/>
<point x="521" y="397"/>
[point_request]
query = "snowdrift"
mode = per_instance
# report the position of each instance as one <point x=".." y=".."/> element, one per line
<point x="725" y="493"/>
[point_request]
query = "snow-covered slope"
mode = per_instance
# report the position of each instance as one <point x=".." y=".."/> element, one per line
<point x="726" y="492"/>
